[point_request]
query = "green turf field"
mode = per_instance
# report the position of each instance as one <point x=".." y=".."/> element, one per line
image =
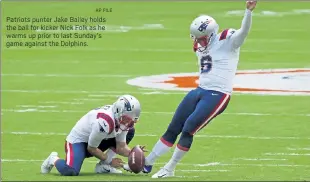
<point x="46" y="90"/>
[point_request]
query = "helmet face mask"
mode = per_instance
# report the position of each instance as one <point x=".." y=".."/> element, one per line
<point x="203" y="41"/>
<point x="126" y="123"/>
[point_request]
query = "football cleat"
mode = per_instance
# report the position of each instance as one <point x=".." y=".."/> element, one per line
<point x="104" y="168"/>
<point x="147" y="168"/>
<point x="163" y="173"/>
<point x="48" y="163"/>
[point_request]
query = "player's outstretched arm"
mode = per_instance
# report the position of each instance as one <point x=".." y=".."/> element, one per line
<point x="93" y="143"/>
<point x="122" y="148"/>
<point x="239" y="36"/>
<point x="121" y="145"/>
<point x="97" y="153"/>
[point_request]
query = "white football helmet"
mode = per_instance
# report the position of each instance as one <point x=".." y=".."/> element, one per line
<point x="202" y="29"/>
<point x="126" y="111"/>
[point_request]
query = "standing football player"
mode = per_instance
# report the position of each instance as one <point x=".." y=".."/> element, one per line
<point x="91" y="134"/>
<point x="218" y="56"/>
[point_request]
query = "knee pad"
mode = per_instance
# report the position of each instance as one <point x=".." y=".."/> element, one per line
<point x="186" y="139"/>
<point x="69" y="171"/>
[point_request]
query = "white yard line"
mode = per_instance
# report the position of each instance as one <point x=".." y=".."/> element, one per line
<point x="156" y="135"/>
<point x="35" y="106"/>
<point x="185" y="39"/>
<point x="254" y="137"/>
<point x="86" y="92"/>
<point x="39" y="110"/>
<point x="144" y="93"/>
<point x="66" y="75"/>
<point x="258" y="159"/>
<point x="255" y="165"/>
<point x="287" y="154"/>
<point x="35" y="133"/>
<point x="36" y="109"/>
<point x="294" y="149"/>
<point x="187" y="176"/>
<point x="243" y="62"/>
<point x="61" y="102"/>
<point x="21" y="160"/>
<point x="51" y="61"/>
<point x="208" y="164"/>
<point x="114" y="93"/>
<point x="152" y="50"/>
<point x="202" y="170"/>
<point x="267" y="165"/>
<point x="86" y="99"/>
<point x="105" y="95"/>
<point x="182" y="164"/>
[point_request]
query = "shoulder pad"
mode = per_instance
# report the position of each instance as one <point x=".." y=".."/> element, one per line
<point x="226" y="33"/>
<point x="106" y="123"/>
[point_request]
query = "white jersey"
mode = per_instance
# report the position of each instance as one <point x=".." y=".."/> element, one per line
<point x="95" y="126"/>
<point x="218" y="63"/>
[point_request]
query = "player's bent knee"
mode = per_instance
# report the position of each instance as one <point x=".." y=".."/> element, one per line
<point x="69" y="171"/>
<point x="170" y="135"/>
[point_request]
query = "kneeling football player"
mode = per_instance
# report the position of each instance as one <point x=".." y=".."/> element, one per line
<point x="91" y="131"/>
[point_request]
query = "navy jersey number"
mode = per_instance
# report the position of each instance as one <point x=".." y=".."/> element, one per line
<point x="205" y="64"/>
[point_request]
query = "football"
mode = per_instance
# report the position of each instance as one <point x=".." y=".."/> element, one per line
<point x="136" y="159"/>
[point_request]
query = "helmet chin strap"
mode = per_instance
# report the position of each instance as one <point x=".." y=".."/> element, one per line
<point x="123" y="127"/>
<point x="212" y="37"/>
<point x="120" y="126"/>
<point x="117" y="125"/>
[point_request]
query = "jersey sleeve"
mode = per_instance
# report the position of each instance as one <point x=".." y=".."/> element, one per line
<point x="238" y="36"/>
<point x="122" y="136"/>
<point x="106" y="122"/>
<point x="101" y="127"/>
<point x="97" y="134"/>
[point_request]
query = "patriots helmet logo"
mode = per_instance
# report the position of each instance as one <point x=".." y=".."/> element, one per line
<point x="203" y="27"/>
<point x="127" y="105"/>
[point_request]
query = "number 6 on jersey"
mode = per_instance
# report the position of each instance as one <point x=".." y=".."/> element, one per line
<point x="205" y="64"/>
